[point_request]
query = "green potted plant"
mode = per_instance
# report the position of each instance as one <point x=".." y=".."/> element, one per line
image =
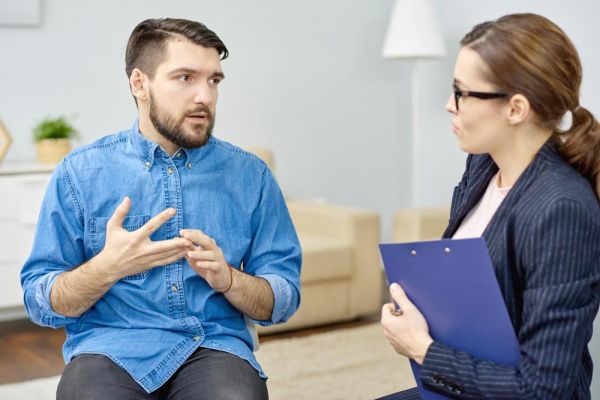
<point x="53" y="139"/>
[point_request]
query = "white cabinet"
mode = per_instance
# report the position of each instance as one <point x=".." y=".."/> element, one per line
<point x="22" y="189"/>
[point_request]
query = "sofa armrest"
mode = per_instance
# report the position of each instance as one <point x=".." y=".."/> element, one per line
<point x="414" y="224"/>
<point x="333" y="220"/>
<point x="360" y="228"/>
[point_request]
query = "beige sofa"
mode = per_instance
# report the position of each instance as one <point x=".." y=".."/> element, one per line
<point x="414" y="224"/>
<point x="341" y="273"/>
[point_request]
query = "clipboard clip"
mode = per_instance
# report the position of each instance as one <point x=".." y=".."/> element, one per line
<point x="447" y="250"/>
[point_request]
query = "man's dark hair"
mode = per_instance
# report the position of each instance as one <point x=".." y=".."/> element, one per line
<point x="147" y="43"/>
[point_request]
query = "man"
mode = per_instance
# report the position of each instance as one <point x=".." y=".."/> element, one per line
<point x="155" y="307"/>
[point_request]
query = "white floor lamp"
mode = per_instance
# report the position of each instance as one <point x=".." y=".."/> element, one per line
<point x="414" y="33"/>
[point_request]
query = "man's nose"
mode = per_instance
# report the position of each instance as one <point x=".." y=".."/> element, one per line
<point x="205" y="94"/>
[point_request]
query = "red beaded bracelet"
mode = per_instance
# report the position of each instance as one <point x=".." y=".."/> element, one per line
<point x="230" y="279"/>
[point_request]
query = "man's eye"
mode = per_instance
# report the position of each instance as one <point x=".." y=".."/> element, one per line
<point x="214" y="81"/>
<point x="184" y="78"/>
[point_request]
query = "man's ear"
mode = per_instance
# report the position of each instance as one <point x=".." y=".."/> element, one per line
<point x="139" y="84"/>
<point x="517" y="109"/>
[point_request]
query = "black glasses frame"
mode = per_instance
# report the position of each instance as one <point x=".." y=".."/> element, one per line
<point x="480" y="95"/>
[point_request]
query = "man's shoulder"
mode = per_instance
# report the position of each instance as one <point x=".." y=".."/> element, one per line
<point x="230" y="149"/>
<point x="105" y="144"/>
<point x="236" y="156"/>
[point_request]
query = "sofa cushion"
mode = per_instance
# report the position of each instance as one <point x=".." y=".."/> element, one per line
<point x="324" y="258"/>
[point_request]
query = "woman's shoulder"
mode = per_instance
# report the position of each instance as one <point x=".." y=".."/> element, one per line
<point x="559" y="181"/>
<point x="558" y="191"/>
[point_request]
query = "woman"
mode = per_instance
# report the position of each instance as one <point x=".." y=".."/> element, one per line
<point x="531" y="189"/>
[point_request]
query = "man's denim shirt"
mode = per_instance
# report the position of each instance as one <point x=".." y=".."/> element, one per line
<point x="150" y="323"/>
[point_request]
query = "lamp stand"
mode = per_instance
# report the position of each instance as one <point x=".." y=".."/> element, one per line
<point x="414" y="123"/>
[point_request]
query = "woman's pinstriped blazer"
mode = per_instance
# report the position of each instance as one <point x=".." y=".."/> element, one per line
<point x="544" y="242"/>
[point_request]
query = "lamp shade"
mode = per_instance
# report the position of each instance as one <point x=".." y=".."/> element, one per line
<point x="413" y="31"/>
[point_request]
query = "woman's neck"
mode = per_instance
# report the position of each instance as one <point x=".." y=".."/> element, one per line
<point x="514" y="157"/>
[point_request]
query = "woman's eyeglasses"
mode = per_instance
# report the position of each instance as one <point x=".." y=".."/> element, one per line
<point x="480" y="95"/>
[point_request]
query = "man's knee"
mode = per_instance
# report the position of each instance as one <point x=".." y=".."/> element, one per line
<point x="218" y="376"/>
<point x="96" y="377"/>
<point x="239" y="392"/>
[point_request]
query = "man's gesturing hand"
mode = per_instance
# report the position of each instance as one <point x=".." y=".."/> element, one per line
<point x="128" y="253"/>
<point x="208" y="260"/>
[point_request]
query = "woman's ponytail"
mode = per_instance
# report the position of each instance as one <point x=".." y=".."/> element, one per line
<point x="580" y="145"/>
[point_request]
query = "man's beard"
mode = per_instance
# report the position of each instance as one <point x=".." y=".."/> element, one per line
<point x="174" y="131"/>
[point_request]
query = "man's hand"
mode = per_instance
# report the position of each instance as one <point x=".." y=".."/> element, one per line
<point x="208" y="260"/>
<point x="407" y="329"/>
<point x="129" y="253"/>
<point x="125" y="253"/>
<point x="251" y="295"/>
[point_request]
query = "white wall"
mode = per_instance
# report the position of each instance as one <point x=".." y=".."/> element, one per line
<point x="439" y="162"/>
<point x="304" y="78"/>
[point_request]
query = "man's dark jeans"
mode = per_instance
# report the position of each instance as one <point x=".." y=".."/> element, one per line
<point x="207" y="374"/>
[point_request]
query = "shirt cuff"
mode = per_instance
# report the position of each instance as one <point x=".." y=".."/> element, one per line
<point x="283" y="296"/>
<point x="49" y="317"/>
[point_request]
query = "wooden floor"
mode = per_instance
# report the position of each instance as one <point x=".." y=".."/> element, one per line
<point x="28" y="351"/>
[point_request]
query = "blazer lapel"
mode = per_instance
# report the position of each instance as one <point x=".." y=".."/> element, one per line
<point x="528" y="176"/>
<point x="485" y="171"/>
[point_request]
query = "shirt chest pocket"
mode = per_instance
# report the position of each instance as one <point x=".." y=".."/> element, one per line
<point x="98" y="235"/>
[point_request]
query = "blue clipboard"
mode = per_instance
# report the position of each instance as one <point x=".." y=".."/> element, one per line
<point x="452" y="282"/>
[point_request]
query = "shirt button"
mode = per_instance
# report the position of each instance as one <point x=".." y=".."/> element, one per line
<point x="174" y="287"/>
<point x="170" y="170"/>
<point x="188" y="165"/>
<point x="196" y="338"/>
<point x="147" y="164"/>
<point x="178" y="155"/>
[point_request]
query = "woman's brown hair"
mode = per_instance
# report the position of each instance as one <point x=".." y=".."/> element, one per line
<point x="530" y="55"/>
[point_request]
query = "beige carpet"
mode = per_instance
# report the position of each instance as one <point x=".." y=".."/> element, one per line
<point x="355" y="363"/>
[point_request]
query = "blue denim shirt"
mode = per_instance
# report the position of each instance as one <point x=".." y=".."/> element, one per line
<point x="150" y="323"/>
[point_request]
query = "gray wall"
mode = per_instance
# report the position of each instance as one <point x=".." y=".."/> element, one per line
<point x="305" y="78"/>
<point x="302" y="79"/>
<point x="579" y="19"/>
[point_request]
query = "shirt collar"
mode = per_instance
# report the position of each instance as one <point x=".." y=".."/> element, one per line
<point x="198" y="155"/>
<point x="181" y="155"/>
<point x="146" y="149"/>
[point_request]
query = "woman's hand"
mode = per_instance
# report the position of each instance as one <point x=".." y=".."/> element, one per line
<point x="405" y="329"/>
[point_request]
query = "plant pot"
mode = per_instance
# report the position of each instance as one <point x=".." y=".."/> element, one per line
<point x="51" y="151"/>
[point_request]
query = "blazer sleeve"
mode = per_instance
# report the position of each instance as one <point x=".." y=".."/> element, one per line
<point x="560" y="257"/>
